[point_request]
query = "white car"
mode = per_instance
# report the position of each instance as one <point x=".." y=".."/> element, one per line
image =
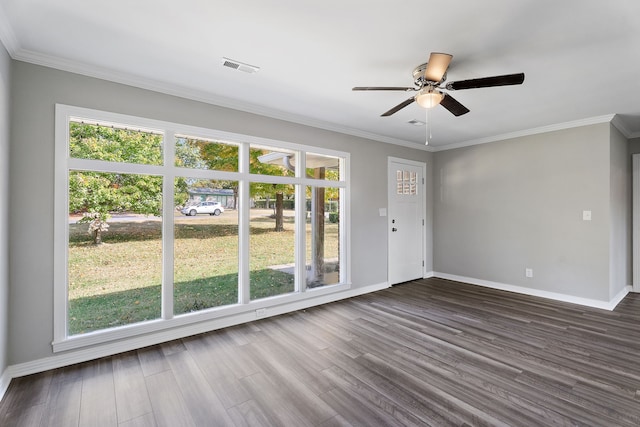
<point x="211" y="208"/>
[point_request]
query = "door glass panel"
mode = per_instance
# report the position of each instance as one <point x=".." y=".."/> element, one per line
<point x="406" y="182"/>
<point x="205" y="244"/>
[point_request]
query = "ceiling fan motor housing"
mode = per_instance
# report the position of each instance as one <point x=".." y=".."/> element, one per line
<point x="419" y="79"/>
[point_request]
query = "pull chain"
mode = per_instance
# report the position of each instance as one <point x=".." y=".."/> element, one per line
<point x="428" y="125"/>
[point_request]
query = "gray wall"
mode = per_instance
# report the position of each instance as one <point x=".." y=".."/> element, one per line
<point x="37" y="89"/>
<point x="502" y="207"/>
<point x="4" y="202"/>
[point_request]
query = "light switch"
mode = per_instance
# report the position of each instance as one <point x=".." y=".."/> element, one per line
<point x="586" y="215"/>
<point x="383" y="211"/>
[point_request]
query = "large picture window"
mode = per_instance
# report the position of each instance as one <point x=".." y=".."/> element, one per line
<point x="160" y="225"/>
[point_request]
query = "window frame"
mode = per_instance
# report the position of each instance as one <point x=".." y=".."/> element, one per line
<point x="64" y="163"/>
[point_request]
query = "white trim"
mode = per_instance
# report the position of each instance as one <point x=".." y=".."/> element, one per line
<point x="528" y="132"/>
<point x="11" y="43"/>
<point x="617" y="122"/>
<point x="168" y="224"/>
<point x="244" y="224"/>
<point x="187" y="93"/>
<point x="132" y="343"/>
<point x="5" y="380"/>
<point x="344" y="225"/>
<point x="618" y="298"/>
<point x="197" y="95"/>
<point x="391" y="191"/>
<point x="300" y="235"/>
<point x="216" y="315"/>
<point x="429" y="275"/>
<point x="620" y="125"/>
<point x="60" y="231"/>
<point x="159" y="126"/>
<point x="635" y="222"/>
<point x="210" y="315"/>
<point x="588" y="302"/>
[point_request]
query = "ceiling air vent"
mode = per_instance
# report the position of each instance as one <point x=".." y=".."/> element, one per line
<point x="240" y="66"/>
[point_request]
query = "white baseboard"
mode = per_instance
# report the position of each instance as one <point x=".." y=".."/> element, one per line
<point x="605" y="305"/>
<point x="623" y="293"/>
<point x="429" y="275"/>
<point x="5" y="379"/>
<point x="114" y="347"/>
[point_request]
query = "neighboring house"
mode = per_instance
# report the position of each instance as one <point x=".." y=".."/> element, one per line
<point x="223" y="195"/>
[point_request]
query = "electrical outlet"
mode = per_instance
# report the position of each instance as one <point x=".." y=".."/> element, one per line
<point x="528" y="272"/>
<point x="261" y="312"/>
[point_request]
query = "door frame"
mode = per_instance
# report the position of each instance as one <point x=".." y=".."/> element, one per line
<point x="390" y="190"/>
<point x="635" y="240"/>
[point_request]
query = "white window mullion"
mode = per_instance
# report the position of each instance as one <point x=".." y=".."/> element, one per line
<point x="114" y="167"/>
<point x="345" y="222"/>
<point x="206" y="174"/>
<point x="244" y="295"/>
<point x="61" y="228"/>
<point x="301" y="227"/>
<point x="168" y="213"/>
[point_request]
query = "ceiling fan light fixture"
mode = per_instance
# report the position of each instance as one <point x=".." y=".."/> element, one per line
<point x="429" y="97"/>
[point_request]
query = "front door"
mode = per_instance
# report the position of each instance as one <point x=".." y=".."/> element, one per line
<point x="406" y="220"/>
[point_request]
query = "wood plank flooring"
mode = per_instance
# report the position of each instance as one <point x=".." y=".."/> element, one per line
<point x="430" y="352"/>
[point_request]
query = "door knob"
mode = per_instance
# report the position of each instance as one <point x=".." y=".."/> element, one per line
<point x="394" y="229"/>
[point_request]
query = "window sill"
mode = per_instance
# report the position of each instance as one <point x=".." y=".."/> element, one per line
<point x="160" y="330"/>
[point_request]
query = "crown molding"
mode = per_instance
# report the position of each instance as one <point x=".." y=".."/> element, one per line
<point x="528" y="132"/>
<point x="620" y="125"/>
<point x="212" y="99"/>
<point x="208" y="98"/>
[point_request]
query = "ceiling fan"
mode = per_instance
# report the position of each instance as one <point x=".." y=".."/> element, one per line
<point x="428" y="79"/>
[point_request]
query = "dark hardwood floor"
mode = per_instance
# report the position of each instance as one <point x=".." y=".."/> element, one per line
<point x="430" y="352"/>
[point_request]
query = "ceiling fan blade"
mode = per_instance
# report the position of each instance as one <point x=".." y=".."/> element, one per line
<point x="405" y="89"/>
<point x="450" y="103"/>
<point x="506" y="80"/>
<point x="398" y="107"/>
<point x="437" y="66"/>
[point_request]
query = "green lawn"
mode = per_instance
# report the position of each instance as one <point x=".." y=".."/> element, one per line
<point x="118" y="282"/>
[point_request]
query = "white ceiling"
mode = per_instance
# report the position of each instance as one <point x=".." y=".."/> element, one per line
<point x="581" y="58"/>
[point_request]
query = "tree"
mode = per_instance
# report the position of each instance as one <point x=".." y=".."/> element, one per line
<point x="265" y="189"/>
<point x="210" y="155"/>
<point x="188" y="154"/>
<point x="98" y="194"/>
<point x="224" y="157"/>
